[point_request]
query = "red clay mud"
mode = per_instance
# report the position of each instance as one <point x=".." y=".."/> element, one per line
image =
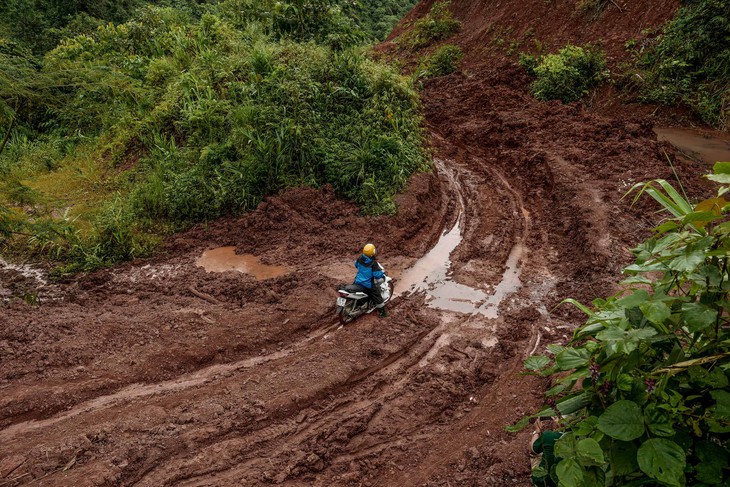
<point x="157" y="372"/>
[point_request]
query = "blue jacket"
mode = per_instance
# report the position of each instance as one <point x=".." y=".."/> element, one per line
<point x="367" y="270"/>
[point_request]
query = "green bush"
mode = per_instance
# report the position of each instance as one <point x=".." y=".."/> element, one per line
<point x="690" y="62"/>
<point x="643" y="388"/>
<point x="195" y="119"/>
<point x="444" y="60"/>
<point x="567" y="75"/>
<point x="436" y="25"/>
<point x="529" y="62"/>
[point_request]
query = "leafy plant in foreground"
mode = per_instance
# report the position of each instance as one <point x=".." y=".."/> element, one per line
<point x="643" y="386"/>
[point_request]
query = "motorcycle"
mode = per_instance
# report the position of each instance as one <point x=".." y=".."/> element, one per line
<point x="352" y="302"/>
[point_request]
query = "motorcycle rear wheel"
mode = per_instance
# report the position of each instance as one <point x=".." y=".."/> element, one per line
<point x="345" y="316"/>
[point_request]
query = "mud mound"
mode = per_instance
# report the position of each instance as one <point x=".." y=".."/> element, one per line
<point x="488" y="25"/>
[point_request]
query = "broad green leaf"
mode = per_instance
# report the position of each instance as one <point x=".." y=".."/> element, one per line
<point x="698" y="316"/>
<point x="622" y="420"/>
<point x="623" y="458"/>
<point x="655" y="311"/>
<point x="536" y="362"/>
<point x="720" y="412"/>
<point x="657" y="422"/>
<point x="666" y="227"/>
<point x="688" y="262"/>
<point x="594" y="477"/>
<point x="639" y="334"/>
<point x="721" y="167"/>
<point x="662" y="460"/>
<point x="566" y="446"/>
<point x="713" y="460"/>
<point x="570" y="473"/>
<point x="590" y="452"/>
<point x="635" y="299"/>
<point x="719" y="178"/>
<point x="586" y="427"/>
<point x="635" y="316"/>
<point x="625" y="382"/>
<point x="611" y="333"/>
<point x="572" y="358"/>
<point x="715" y="379"/>
<point x="554" y="348"/>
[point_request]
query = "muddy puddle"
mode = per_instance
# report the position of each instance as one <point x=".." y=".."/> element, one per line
<point x="707" y="146"/>
<point x="432" y="273"/>
<point x="225" y="259"/>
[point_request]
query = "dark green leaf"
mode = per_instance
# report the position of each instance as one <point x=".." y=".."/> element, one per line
<point x="688" y="261"/>
<point x="635" y="316"/>
<point x="594" y="477"/>
<point x="590" y="452"/>
<point x="634" y="300"/>
<point x="623" y="458"/>
<point x="702" y="377"/>
<point x="713" y="460"/>
<point x="572" y="358"/>
<point x="698" y="316"/>
<point x="586" y="427"/>
<point x="566" y="446"/>
<point x="657" y="422"/>
<point x="625" y="382"/>
<point x="662" y="460"/>
<point x="622" y="421"/>
<point x="570" y="473"/>
<point x="655" y="311"/>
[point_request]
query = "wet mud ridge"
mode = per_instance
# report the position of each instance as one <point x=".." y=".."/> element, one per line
<point x="220" y="362"/>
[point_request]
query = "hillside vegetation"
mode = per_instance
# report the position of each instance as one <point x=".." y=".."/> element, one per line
<point x="123" y="134"/>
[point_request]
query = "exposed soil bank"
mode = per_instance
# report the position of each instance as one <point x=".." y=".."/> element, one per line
<point x="160" y="373"/>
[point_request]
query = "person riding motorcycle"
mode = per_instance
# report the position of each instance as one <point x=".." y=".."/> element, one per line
<point x="369" y="276"/>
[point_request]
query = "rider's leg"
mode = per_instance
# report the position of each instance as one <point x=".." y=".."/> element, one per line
<point x="377" y="299"/>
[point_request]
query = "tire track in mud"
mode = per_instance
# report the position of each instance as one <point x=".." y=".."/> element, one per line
<point x="140" y="391"/>
<point x="288" y="434"/>
<point x="362" y="394"/>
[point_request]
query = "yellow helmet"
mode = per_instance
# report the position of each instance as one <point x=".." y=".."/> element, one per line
<point x="369" y="250"/>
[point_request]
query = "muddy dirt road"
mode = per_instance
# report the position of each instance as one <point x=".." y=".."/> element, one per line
<point x="161" y="373"/>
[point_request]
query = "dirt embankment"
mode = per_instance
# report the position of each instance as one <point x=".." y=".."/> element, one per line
<point x="158" y="373"/>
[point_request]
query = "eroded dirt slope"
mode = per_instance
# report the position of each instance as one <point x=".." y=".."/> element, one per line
<point x="158" y="373"/>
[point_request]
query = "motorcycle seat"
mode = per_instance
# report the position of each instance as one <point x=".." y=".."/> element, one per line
<point x="350" y="288"/>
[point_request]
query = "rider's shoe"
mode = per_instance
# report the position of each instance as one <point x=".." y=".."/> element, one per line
<point x="383" y="313"/>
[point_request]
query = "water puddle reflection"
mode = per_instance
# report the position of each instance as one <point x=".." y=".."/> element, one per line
<point x="225" y="259"/>
<point x="709" y="147"/>
<point x="431" y="274"/>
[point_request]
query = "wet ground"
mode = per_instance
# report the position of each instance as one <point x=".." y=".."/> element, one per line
<point x="160" y="372"/>
<point x="705" y="145"/>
